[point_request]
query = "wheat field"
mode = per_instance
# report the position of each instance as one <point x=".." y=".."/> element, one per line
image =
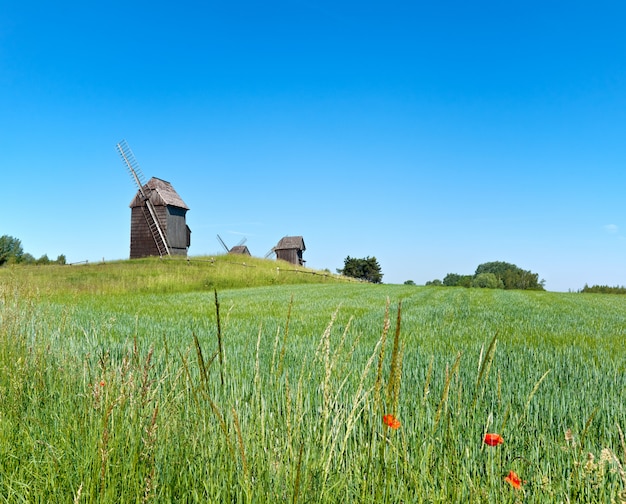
<point x="319" y="392"/>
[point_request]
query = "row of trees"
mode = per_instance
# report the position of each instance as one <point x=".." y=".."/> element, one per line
<point x="603" y="289"/>
<point x="11" y="252"/>
<point x="490" y="275"/>
<point x="494" y="275"/>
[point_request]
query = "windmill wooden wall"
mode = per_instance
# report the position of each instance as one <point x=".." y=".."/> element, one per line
<point x="171" y="212"/>
<point x="290" y="249"/>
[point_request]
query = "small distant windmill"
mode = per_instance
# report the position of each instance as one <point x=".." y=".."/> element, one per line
<point x="158" y="225"/>
<point x="240" y="248"/>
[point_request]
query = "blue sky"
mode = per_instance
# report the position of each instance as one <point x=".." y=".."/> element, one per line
<point x="433" y="135"/>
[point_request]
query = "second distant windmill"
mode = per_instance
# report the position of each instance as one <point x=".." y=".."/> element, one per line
<point x="240" y="248"/>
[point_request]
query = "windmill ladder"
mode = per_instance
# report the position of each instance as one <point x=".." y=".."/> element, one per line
<point x="155" y="228"/>
<point x="151" y="217"/>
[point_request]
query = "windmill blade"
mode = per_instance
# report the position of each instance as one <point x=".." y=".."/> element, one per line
<point x="219" y="238"/>
<point x="271" y="252"/>
<point x="156" y="229"/>
<point x="133" y="167"/>
<point x="241" y="242"/>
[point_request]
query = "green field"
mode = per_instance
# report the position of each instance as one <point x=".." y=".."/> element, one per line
<point x="120" y="383"/>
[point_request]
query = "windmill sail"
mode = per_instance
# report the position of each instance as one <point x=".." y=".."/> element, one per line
<point x="156" y="229"/>
<point x="219" y="238"/>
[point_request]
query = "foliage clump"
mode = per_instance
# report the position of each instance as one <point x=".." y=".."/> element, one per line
<point x="495" y="275"/>
<point x="603" y="289"/>
<point x="366" y="269"/>
<point x="12" y="252"/>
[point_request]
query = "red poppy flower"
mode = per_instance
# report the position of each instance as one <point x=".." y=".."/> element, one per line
<point x="391" y="421"/>
<point x="514" y="480"/>
<point x="493" y="439"/>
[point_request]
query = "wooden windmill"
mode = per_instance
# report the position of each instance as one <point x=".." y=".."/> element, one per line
<point x="240" y="248"/>
<point x="158" y="214"/>
<point x="290" y="249"/>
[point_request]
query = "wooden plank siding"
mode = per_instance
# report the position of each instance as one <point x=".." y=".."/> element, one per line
<point x="290" y="249"/>
<point x="141" y="240"/>
<point x="177" y="235"/>
<point x="171" y="212"/>
<point x="293" y="256"/>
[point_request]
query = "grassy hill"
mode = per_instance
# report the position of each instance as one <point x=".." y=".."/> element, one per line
<point x="172" y="274"/>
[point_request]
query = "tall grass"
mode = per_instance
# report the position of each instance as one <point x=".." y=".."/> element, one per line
<point x="278" y="394"/>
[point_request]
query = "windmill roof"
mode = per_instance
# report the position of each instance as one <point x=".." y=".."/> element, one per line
<point x="290" y="242"/>
<point x="162" y="193"/>
<point x="239" y="249"/>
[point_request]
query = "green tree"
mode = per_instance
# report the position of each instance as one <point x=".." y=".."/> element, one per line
<point x="487" y="281"/>
<point x="10" y="249"/>
<point x="511" y="276"/>
<point x="456" y="280"/>
<point x="366" y="269"/>
<point x="11" y="252"/>
<point x="44" y="259"/>
<point x="434" y="283"/>
<point x="451" y="280"/>
<point x="28" y="259"/>
<point x="604" y="289"/>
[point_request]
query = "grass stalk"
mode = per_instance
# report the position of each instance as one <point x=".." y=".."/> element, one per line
<point x="534" y="390"/>
<point x="485" y="367"/>
<point x="223" y="427"/>
<point x="395" y="371"/>
<point x="324" y="350"/>
<point x="149" y="446"/>
<point x="204" y="377"/>
<point x="296" y="484"/>
<point x="285" y="335"/>
<point x="242" y="451"/>
<point x="257" y="368"/>
<point x="220" y="347"/>
<point x="359" y="399"/>
<point x="443" y="403"/>
<point x="622" y="442"/>
<point x="429" y="374"/>
<point x="378" y="385"/>
<point x="288" y="414"/>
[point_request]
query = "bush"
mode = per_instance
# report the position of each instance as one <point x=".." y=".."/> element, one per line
<point x="487" y="281"/>
<point x="455" y="280"/>
<point x="435" y="283"/>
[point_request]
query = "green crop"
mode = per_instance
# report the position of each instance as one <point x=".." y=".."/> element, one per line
<point x="114" y="392"/>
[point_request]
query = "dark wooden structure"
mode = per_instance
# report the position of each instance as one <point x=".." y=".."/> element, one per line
<point x="171" y="212"/>
<point x="290" y="249"/>
<point x="239" y="249"/>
